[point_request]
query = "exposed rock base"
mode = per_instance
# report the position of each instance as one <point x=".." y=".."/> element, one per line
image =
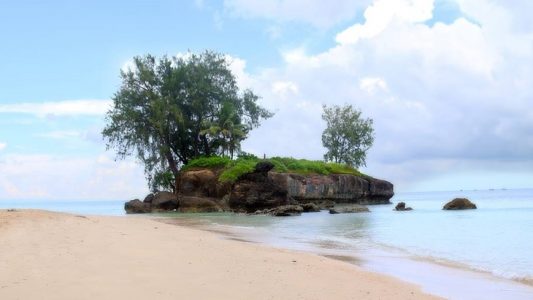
<point x="459" y="204"/>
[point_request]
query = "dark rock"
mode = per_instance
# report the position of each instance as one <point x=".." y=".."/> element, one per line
<point x="310" y="207"/>
<point x="149" y="198"/>
<point x="257" y="191"/>
<point x="199" y="183"/>
<point x="326" y="204"/>
<point x="263" y="167"/>
<point x="189" y="204"/>
<point x="136" y="207"/>
<point x="401" y="207"/>
<point x="459" y="204"/>
<point x="164" y="201"/>
<point x="286" y="211"/>
<point x="379" y="191"/>
<point x="263" y="189"/>
<point x="341" y="188"/>
<point x="349" y="209"/>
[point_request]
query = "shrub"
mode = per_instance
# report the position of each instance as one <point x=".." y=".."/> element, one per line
<point x="238" y="168"/>
<point x="233" y="169"/>
<point x="208" y="162"/>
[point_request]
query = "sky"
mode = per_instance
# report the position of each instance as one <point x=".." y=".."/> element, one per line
<point x="448" y="83"/>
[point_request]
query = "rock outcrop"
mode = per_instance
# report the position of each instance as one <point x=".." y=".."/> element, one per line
<point x="341" y="188"/>
<point x="136" y="206"/>
<point x="166" y="201"/>
<point x="310" y="207"/>
<point x="349" y="209"/>
<point x="257" y="190"/>
<point x="459" y="204"/>
<point x="401" y="207"/>
<point x="263" y="189"/>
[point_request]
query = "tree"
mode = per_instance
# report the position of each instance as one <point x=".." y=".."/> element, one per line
<point x="347" y="136"/>
<point x="165" y="109"/>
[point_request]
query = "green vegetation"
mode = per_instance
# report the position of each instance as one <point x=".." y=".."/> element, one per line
<point x="208" y="162"/>
<point x="347" y="136"/>
<point x="171" y="110"/>
<point x="233" y="169"/>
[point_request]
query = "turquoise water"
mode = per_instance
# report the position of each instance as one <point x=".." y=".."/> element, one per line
<point x="496" y="238"/>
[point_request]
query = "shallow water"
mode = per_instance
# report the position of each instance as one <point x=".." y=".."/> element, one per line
<point x="497" y="237"/>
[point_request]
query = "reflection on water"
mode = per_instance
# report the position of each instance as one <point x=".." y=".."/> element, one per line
<point x="494" y="238"/>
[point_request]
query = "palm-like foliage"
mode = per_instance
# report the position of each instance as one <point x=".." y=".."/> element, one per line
<point x="171" y="110"/>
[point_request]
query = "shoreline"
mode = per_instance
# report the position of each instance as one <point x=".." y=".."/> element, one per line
<point x="448" y="280"/>
<point x="66" y="256"/>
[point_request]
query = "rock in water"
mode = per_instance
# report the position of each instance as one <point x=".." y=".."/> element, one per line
<point x="401" y="207"/>
<point x="349" y="209"/>
<point x="310" y="207"/>
<point x="458" y="204"/>
<point x="286" y="211"/>
<point x="137" y="207"/>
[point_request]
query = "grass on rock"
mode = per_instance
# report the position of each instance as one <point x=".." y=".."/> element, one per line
<point x="233" y="169"/>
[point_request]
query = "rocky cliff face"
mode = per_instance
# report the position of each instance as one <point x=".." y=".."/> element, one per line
<point x="341" y="188"/>
<point x="264" y="189"/>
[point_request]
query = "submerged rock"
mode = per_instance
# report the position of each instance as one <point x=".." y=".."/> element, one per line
<point x="349" y="209"/>
<point x="401" y="207"/>
<point x="459" y="204"/>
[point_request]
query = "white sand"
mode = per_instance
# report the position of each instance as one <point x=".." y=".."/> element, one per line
<point x="45" y="255"/>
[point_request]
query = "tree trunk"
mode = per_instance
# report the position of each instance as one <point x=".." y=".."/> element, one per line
<point x="174" y="169"/>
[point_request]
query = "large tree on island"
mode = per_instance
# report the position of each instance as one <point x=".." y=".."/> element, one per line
<point x="347" y="136"/>
<point x="170" y="110"/>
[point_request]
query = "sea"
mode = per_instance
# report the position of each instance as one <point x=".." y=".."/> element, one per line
<point x="486" y="252"/>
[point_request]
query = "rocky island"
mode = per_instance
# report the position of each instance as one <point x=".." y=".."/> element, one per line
<point x="261" y="188"/>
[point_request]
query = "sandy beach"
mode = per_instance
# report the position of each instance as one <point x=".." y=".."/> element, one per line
<point x="48" y="255"/>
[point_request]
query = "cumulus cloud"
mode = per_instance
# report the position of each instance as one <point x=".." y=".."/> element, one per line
<point x="382" y="13"/>
<point x="321" y="14"/>
<point x="442" y="96"/>
<point x="59" y="108"/>
<point x="2" y="146"/>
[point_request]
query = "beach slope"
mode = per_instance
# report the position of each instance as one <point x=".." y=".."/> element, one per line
<point x="47" y="255"/>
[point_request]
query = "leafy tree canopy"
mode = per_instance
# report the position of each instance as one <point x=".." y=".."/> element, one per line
<point x="347" y="136"/>
<point x="171" y="110"/>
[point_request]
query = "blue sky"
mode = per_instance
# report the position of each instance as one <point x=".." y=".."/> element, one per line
<point x="448" y="84"/>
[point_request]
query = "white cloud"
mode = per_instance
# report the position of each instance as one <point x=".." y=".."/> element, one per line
<point x="443" y="97"/>
<point x="2" y="146"/>
<point x="321" y="14"/>
<point x="371" y="85"/>
<point x="59" y="108"/>
<point x="238" y="68"/>
<point x="284" y="88"/>
<point x="382" y="13"/>
<point x="69" y="178"/>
